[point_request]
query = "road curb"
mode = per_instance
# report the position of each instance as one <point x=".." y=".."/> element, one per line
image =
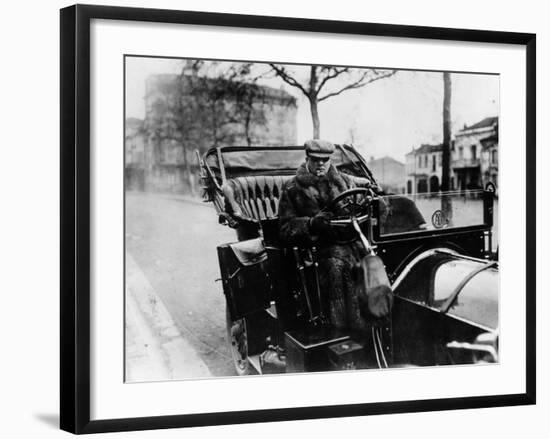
<point x="155" y="348"/>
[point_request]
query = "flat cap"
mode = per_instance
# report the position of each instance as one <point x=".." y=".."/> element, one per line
<point x="319" y="148"/>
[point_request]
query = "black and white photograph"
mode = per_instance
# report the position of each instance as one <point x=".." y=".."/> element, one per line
<point x="275" y="219"/>
<point x="298" y="218"/>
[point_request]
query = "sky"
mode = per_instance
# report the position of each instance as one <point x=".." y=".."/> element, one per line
<point x="385" y="118"/>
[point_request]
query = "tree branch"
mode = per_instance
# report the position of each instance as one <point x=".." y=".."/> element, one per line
<point x="361" y="82"/>
<point x="337" y="72"/>
<point x="281" y="72"/>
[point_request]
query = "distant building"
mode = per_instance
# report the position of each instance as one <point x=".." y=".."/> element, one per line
<point x="135" y="142"/>
<point x="189" y="113"/>
<point x="474" y="156"/>
<point x="389" y="173"/>
<point x="474" y="160"/>
<point x="423" y="168"/>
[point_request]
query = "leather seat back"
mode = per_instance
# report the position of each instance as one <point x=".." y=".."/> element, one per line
<point x="255" y="197"/>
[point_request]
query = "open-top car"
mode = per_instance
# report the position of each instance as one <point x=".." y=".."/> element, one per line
<point x="436" y="249"/>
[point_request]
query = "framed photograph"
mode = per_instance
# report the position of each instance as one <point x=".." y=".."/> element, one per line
<point x="275" y="218"/>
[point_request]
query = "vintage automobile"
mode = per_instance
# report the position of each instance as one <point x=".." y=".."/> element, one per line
<point x="442" y="269"/>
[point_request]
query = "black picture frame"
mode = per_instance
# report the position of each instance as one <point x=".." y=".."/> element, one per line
<point x="75" y="217"/>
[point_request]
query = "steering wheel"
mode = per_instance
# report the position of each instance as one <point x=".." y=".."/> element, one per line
<point x="350" y="205"/>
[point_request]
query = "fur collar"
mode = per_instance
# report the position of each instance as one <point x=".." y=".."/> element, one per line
<point x="333" y="177"/>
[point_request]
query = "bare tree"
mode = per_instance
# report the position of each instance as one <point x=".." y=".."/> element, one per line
<point x="207" y="104"/>
<point x="248" y="97"/>
<point x="229" y="101"/>
<point x="316" y="87"/>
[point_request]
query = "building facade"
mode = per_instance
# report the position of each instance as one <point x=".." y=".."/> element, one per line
<point x="423" y="168"/>
<point x="135" y="150"/>
<point x="186" y="114"/>
<point x="474" y="156"/>
<point x="389" y="173"/>
<point x="474" y="160"/>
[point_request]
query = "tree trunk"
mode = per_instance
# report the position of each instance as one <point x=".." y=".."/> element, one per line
<point x="312" y="96"/>
<point x="248" y="122"/>
<point x="214" y="124"/>
<point x="446" y="204"/>
<point x="315" y="118"/>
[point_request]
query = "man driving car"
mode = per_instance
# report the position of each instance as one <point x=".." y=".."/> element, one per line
<point x="305" y="222"/>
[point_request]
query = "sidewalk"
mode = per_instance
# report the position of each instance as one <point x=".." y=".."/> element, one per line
<point x="155" y="348"/>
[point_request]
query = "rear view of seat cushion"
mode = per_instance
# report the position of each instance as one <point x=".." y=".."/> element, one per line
<point x="255" y="197"/>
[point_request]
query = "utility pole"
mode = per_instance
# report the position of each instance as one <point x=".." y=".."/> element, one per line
<point x="446" y="159"/>
<point x="446" y="202"/>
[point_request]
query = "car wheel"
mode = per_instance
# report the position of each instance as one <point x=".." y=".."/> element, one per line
<point x="238" y="340"/>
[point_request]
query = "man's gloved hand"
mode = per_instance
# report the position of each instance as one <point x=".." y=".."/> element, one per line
<point x="320" y="223"/>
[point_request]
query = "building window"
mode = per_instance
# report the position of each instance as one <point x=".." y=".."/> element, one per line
<point x="494" y="157"/>
<point x="426" y="161"/>
<point x="460" y="153"/>
<point x="419" y="161"/>
<point x="473" y="150"/>
<point x="433" y="163"/>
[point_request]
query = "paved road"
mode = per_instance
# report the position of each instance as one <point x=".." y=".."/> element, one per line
<point x="466" y="212"/>
<point x="173" y="242"/>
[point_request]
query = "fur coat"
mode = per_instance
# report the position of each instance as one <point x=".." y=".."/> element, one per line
<point x="302" y="198"/>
